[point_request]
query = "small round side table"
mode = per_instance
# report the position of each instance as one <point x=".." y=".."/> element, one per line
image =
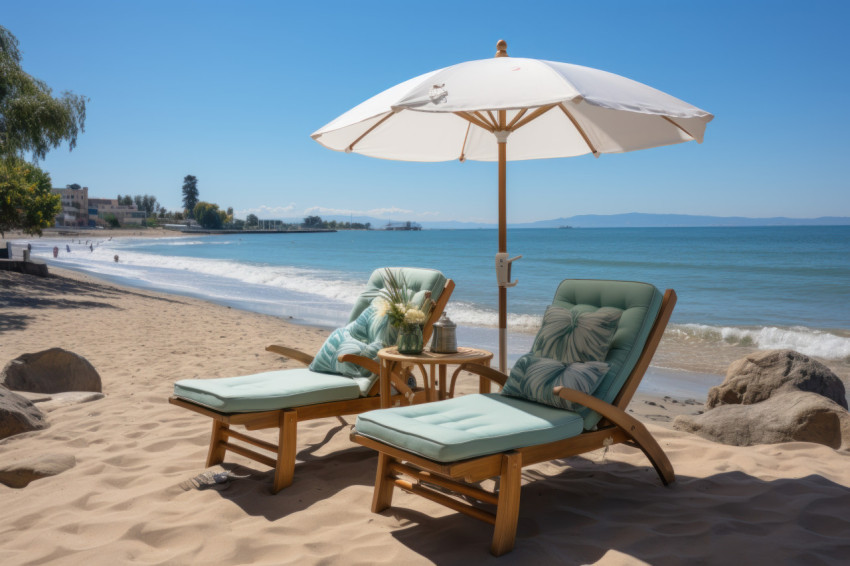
<point x="437" y="363"/>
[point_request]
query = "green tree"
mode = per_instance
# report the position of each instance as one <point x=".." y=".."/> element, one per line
<point x="26" y="202"/>
<point x="190" y="194"/>
<point x="207" y="215"/>
<point x="252" y="220"/>
<point x="74" y="186"/>
<point x="31" y="119"/>
<point x="313" y="222"/>
<point x="111" y="220"/>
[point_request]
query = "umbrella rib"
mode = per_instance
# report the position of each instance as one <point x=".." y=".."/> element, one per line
<point x="369" y="131"/>
<point x="462" y="157"/>
<point x="533" y="116"/>
<point x="492" y="118"/>
<point x="470" y="118"/>
<point x="516" y="119"/>
<point x="579" y="129"/>
<point x="680" y="127"/>
<point x="492" y="121"/>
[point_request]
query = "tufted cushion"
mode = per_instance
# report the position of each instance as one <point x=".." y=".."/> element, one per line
<point x="418" y="281"/>
<point x="267" y="391"/>
<point x="534" y="378"/>
<point x="468" y="426"/>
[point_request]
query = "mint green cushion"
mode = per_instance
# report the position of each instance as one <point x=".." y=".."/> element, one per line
<point x="534" y="378"/>
<point x="418" y="282"/>
<point x="267" y="391"/>
<point x="468" y="426"/>
<point x="579" y="334"/>
<point x="639" y="304"/>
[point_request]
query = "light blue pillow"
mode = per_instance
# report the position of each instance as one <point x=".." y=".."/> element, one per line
<point x="533" y="378"/>
<point x="576" y="335"/>
<point x="363" y="336"/>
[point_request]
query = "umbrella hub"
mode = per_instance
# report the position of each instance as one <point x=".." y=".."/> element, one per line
<point x="502" y="135"/>
<point x="502" y="48"/>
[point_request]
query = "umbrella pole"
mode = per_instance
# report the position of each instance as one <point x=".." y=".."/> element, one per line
<point x="503" y="245"/>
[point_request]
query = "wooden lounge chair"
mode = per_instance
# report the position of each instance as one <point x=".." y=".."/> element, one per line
<point x="280" y="399"/>
<point x="449" y="445"/>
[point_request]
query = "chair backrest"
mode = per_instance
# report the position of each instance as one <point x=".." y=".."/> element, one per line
<point x="640" y="304"/>
<point x="418" y="280"/>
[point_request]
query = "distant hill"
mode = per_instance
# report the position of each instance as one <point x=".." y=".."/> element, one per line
<point x="629" y="220"/>
<point x="640" y="220"/>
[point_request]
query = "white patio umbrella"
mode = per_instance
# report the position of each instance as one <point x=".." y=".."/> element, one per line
<point x="509" y="108"/>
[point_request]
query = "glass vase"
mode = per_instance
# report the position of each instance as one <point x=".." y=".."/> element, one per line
<point x="410" y="340"/>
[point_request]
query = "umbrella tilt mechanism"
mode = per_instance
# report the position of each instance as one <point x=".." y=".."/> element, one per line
<point x="503" y="269"/>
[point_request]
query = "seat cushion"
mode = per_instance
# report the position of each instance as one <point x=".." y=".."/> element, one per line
<point x="267" y="391"/>
<point x="469" y="426"/>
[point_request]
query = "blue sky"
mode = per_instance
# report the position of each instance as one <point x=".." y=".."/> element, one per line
<point x="231" y="91"/>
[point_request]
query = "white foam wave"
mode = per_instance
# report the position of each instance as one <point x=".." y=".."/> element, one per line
<point x="807" y="341"/>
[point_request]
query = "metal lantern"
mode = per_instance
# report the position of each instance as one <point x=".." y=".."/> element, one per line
<point x="444" y="340"/>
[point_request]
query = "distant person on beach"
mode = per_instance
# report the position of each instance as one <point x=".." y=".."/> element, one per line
<point x="91" y="247"/>
<point x="55" y="251"/>
<point x="67" y="248"/>
<point x="29" y="247"/>
<point x="116" y="258"/>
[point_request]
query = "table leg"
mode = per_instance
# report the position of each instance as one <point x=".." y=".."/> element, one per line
<point x="483" y="382"/>
<point x="442" y="382"/>
<point x="386" y="369"/>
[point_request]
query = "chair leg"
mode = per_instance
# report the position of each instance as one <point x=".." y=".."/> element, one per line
<point x="218" y="446"/>
<point x="653" y="451"/>
<point x="285" y="468"/>
<point x="382" y="498"/>
<point x="507" y="511"/>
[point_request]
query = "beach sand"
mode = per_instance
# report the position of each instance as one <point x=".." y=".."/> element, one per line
<point x="128" y="499"/>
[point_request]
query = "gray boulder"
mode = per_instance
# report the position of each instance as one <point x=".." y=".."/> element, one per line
<point x="51" y="371"/>
<point x="18" y="415"/>
<point x="761" y="375"/>
<point x="789" y="417"/>
<point x="20" y="473"/>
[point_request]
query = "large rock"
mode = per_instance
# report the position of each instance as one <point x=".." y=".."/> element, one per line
<point x="18" y="415"/>
<point x="51" y="371"/>
<point x="761" y="375"/>
<point x="792" y="416"/>
<point x="20" y="473"/>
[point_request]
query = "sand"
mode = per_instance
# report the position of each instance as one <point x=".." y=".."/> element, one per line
<point x="130" y="497"/>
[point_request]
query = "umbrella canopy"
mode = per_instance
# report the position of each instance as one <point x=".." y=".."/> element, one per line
<point x="506" y="109"/>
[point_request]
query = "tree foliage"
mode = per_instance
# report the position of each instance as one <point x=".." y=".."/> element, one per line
<point x="208" y="215"/>
<point x="74" y="186"/>
<point x="26" y="202"/>
<point x="252" y="220"/>
<point x="31" y="119"/>
<point x="190" y="194"/>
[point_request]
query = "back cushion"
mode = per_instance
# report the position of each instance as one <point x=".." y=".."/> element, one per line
<point x="418" y="280"/>
<point x="638" y="304"/>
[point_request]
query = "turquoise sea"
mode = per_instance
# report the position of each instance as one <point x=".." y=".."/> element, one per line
<point x="753" y="288"/>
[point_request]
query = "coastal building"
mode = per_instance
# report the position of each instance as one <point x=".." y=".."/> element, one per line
<point x="126" y="214"/>
<point x="80" y="211"/>
<point x="75" y="207"/>
<point x="402" y="226"/>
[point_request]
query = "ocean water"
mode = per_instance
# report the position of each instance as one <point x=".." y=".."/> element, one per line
<point x="747" y="288"/>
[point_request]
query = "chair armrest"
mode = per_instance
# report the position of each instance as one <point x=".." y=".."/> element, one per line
<point x="493" y="375"/>
<point x="619" y="417"/>
<point x="362" y="361"/>
<point x="287" y="352"/>
<point x="633" y="428"/>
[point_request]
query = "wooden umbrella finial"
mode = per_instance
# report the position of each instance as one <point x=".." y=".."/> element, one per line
<point x="502" y="47"/>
